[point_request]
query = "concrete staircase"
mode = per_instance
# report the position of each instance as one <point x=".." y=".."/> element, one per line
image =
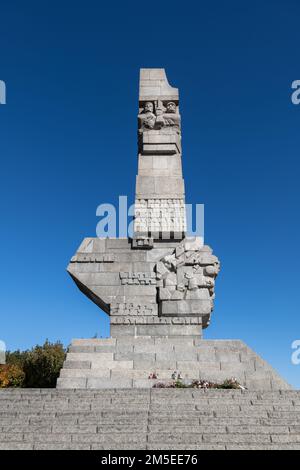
<point x="157" y="419"/>
<point x="126" y="362"/>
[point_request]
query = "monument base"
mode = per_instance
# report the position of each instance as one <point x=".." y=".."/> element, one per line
<point x="127" y="361"/>
<point x="170" y="330"/>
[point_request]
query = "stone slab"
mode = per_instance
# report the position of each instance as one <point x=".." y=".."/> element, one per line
<point x="153" y="419"/>
<point x="130" y="356"/>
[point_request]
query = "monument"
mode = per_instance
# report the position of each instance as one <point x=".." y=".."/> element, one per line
<point x="158" y="286"/>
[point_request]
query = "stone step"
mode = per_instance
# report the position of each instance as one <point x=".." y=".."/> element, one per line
<point x="148" y="342"/>
<point x="169" y="342"/>
<point x="128" y="373"/>
<point x="90" y="356"/>
<point x="94" y="342"/>
<point x="152" y="419"/>
<point x="136" y="357"/>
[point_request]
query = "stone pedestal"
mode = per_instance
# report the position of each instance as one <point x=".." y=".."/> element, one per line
<point x="163" y="289"/>
<point x="128" y="361"/>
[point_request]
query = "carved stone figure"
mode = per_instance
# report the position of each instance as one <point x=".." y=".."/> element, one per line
<point x="171" y="107"/>
<point x="171" y="116"/>
<point x="147" y="118"/>
<point x="187" y="275"/>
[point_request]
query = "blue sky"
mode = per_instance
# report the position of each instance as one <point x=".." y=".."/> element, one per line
<point x="68" y="143"/>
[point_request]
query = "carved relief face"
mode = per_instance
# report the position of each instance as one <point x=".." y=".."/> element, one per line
<point x="171" y="107"/>
<point x="148" y="107"/>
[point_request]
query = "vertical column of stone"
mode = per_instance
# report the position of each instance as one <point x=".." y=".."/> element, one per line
<point x="159" y="202"/>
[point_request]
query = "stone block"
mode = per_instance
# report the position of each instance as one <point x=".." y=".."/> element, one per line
<point x="237" y="438"/>
<point x="211" y="368"/>
<point x="286" y="438"/>
<point x="233" y="368"/>
<point x="153" y="348"/>
<point x="179" y="344"/>
<point x="81" y="349"/>
<point x="159" y="74"/>
<point x="172" y="355"/>
<point x="118" y="244"/>
<point x="142" y="361"/>
<point x="160" y="149"/>
<point x="206" y="355"/>
<point x="184" y="307"/>
<point x="125" y="340"/>
<point x="168" y="330"/>
<point x="227" y="356"/>
<point x="149" y="92"/>
<point x="191" y="429"/>
<point x="143" y="383"/>
<point x="117" y="331"/>
<point x="77" y="365"/>
<point x="108" y="383"/>
<point x="100" y="279"/>
<point x="70" y="373"/>
<point x="145" y="74"/>
<point x="102" y="349"/>
<point x="93" y="342"/>
<point x="92" y="357"/>
<point x="258" y="429"/>
<point x="130" y="374"/>
<point x="175" y="437"/>
<point x="112" y="365"/>
<point x="15" y="445"/>
<point x="258" y="380"/>
<point x="71" y="382"/>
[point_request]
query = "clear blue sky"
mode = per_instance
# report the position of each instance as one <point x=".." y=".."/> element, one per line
<point x="68" y="143"/>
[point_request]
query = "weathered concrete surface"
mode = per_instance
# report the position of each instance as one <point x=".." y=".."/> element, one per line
<point x="148" y="290"/>
<point x="159" y="202"/>
<point x="127" y="362"/>
<point x="149" y="419"/>
<point x="159" y="279"/>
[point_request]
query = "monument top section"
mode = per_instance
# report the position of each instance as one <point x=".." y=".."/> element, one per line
<point x="159" y="202"/>
<point x="154" y="85"/>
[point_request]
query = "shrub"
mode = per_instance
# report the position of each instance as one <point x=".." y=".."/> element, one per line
<point x="42" y="365"/>
<point x="16" y="358"/>
<point x="11" y="375"/>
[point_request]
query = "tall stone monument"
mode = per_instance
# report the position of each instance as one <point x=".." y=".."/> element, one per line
<point x="158" y="283"/>
<point x="158" y="286"/>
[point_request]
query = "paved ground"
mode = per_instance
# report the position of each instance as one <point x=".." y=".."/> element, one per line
<point x="149" y="419"/>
